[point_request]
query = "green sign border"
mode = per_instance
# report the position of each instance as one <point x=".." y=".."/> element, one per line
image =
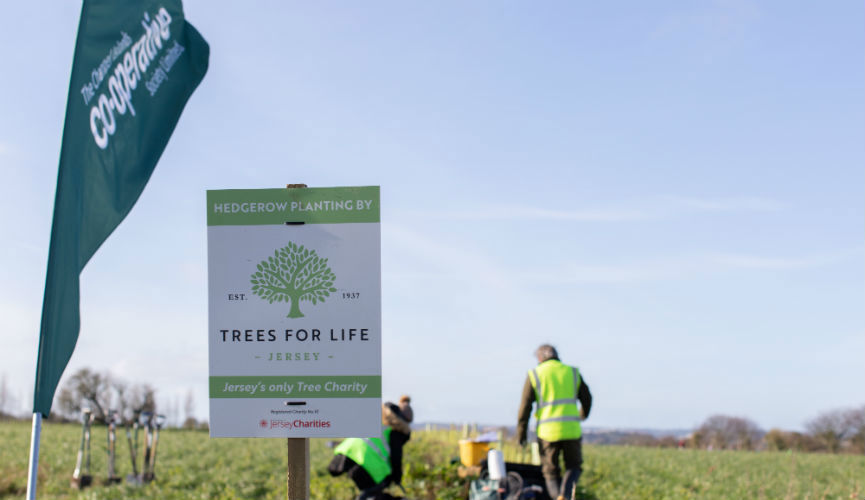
<point x="329" y="205"/>
<point x="273" y="386"/>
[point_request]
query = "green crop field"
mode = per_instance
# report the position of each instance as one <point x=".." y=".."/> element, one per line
<point x="191" y="465"/>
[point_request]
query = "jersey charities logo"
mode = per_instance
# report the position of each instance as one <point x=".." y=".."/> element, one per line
<point x="293" y="274"/>
<point x="298" y="424"/>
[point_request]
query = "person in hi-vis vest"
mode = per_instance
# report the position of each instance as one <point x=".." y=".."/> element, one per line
<point x="374" y="463"/>
<point x="555" y="388"/>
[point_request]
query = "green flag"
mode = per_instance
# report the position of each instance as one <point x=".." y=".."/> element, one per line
<point x="135" y="66"/>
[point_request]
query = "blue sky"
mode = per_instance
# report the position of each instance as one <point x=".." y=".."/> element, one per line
<point x="672" y="194"/>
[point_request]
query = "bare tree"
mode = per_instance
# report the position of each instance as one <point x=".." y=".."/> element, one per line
<point x="120" y="403"/>
<point x="830" y="428"/>
<point x="855" y="421"/>
<point x="189" y="421"/>
<point x="746" y="434"/>
<point x="85" y="388"/>
<point x="725" y="432"/>
<point x="4" y="397"/>
<point x="139" y="398"/>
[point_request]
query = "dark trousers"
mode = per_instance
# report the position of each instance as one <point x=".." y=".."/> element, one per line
<point x="571" y="450"/>
<point x="341" y="464"/>
<point x="369" y="490"/>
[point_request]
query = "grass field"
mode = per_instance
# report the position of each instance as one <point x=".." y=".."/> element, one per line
<point x="191" y="465"/>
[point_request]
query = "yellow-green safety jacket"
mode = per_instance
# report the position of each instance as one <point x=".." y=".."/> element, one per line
<point x="373" y="454"/>
<point x="556" y="386"/>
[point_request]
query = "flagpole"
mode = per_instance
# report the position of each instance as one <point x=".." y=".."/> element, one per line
<point x="34" y="455"/>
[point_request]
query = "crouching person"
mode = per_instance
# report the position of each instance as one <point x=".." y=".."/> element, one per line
<point x="375" y="463"/>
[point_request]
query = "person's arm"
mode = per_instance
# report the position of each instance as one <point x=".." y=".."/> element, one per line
<point x="585" y="397"/>
<point x="525" y="411"/>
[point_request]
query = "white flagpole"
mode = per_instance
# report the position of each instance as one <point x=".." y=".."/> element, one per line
<point x="34" y="456"/>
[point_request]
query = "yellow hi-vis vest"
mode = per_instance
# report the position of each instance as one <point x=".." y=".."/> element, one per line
<point x="556" y="386"/>
<point x="373" y="454"/>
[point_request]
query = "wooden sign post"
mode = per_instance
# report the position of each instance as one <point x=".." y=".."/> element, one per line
<point x="297" y="473"/>
<point x="297" y="476"/>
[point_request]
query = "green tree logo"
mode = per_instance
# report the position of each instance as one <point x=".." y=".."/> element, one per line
<point x="293" y="274"/>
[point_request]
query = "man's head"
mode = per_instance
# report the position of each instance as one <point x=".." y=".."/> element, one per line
<point x="546" y="352"/>
<point x="405" y="408"/>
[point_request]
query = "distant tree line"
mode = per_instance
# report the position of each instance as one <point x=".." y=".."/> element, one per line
<point x="721" y="432"/>
<point x="835" y="431"/>
<point x="103" y="392"/>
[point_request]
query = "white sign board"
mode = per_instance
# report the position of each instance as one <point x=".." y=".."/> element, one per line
<point x="294" y="330"/>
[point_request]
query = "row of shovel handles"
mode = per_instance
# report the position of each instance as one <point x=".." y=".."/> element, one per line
<point x="151" y="422"/>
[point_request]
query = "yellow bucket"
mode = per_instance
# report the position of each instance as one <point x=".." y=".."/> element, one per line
<point x="471" y="452"/>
